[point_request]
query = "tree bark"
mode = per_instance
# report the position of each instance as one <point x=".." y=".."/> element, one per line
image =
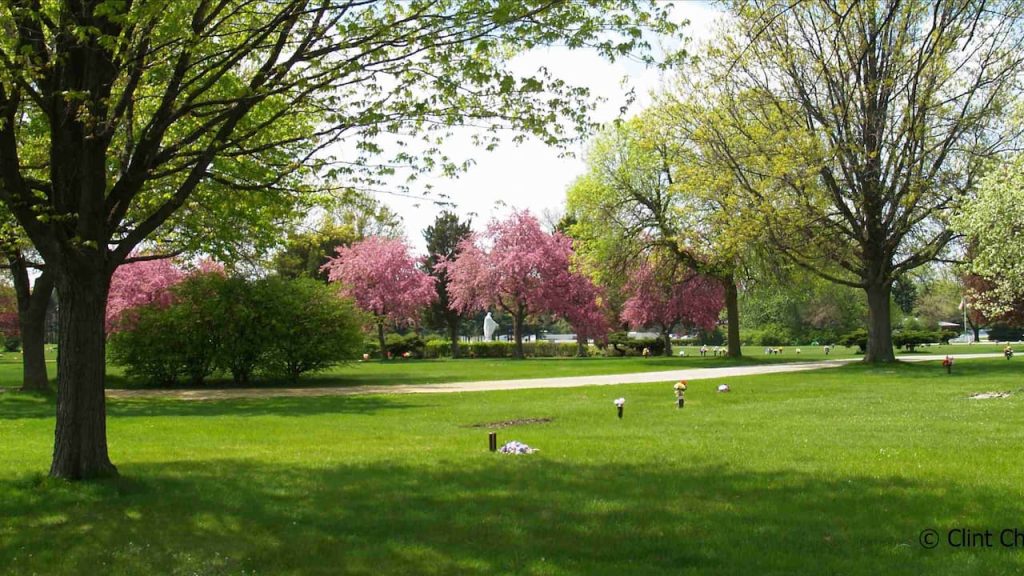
<point x="517" y="332"/>
<point x="732" y="311"/>
<point x="879" y="348"/>
<point x="80" y="439"/>
<point x="666" y="336"/>
<point x="380" y="340"/>
<point x="32" y="304"/>
<point x="581" y="346"/>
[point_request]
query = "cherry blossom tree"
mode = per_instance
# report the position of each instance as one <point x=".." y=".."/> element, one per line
<point x="140" y="283"/>
<point x="514" y="266"/>
<point x="382" y="277"/>
<point x="581" y="304"/>
<point x="663" y="293"/>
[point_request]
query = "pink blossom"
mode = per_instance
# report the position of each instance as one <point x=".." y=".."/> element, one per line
<point x="139" y="284"/>
<point x="383" y="278"/>
<point x="663" y="296"/>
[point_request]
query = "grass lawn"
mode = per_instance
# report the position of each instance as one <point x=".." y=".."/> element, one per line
<point x="831" y="472"/>
<point x="466" y="370"/>
<point x="469" y="370"/>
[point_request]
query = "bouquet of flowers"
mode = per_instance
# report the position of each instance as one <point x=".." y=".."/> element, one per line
<point x="680" y="387"/>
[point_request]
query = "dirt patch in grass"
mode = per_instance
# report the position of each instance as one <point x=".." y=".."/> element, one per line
<point x="988" y="395"/>
<point x="510" y="423"/>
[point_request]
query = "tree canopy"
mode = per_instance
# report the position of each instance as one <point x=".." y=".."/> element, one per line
<point x="117" y="119"/>
<point x="855" y="128"/>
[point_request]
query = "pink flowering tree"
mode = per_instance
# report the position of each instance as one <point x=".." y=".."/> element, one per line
<point x="663" y="293"/>
<point x="512" y="266"/>
<point x="581" y="303"/>
<point x="140" y="283"/>
<point x="382" y="277"/>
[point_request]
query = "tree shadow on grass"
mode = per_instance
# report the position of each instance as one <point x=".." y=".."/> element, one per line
<point x="15" y="406"/>
<point x="490" y="514"/>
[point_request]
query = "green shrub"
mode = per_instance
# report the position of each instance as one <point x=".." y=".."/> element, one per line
<point x="309" y="327"/>
<point x="911" y="339"/>
<point x="620" y="344"/>
<point x="774" y="335"/>
<point x="1005" y="333"/>
<point x="398" y="344"/>
<point x="273" y="326"/>
<point x="858" y="338"/>
<point x="437" y="348"/>
<point x="12" y="343"/>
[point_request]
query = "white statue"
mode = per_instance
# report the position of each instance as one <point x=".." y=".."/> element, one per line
<point x="489" y="327"/>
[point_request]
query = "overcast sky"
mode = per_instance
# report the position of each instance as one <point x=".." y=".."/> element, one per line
<point x="531" y="175"/>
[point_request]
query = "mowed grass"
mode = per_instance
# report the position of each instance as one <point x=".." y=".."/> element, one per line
<point x="829" y="472"/>
<point x="400" y="371"/>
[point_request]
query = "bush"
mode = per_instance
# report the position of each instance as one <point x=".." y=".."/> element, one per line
<point x="274" y="326"/>
<point x="911" y="339"/>
<point x="619" y="344"/>
<point x="438" y="349"/>
<point x="397" y="345"/>
<point x="1005" y="333"/>
<point x="12" y="343"/>
<point x="858" y="338"/>
<point x="774" y="335"/>
<point x="309" y="327"/>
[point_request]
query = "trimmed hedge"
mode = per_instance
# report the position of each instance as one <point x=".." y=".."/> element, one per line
<point x="538" y="349"/>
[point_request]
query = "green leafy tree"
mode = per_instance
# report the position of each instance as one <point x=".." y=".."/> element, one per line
<point x="855" y="128"/>
<point x="992" y="222"/>
<point x="443" y="238"/>
<point x="118" y="118"/>
<point x="647" y="187"/>
<point x="355" y="217"/>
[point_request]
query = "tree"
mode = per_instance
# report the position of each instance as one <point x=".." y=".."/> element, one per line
<point x="992" y="223"/>
<point x="514" y="266"/>
<point x="647" y="187"/>
<point x="854" y="128"/>
<point x="443" y="239"/>
<point x="355" y="217"/>
<point x="384" y="280"/>
<point x="32" y="298"/>
<point x="118" y="119"/>
<point x="140" y="283"/>
<point x="581" y="303"/>
<point x="663" y="294"/>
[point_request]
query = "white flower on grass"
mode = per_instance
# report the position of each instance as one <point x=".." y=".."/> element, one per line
<point x="619" y="402"/>
<point x="516" y="447"/>
<point x="723" y="388"/>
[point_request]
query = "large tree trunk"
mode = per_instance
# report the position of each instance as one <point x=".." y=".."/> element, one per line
<point x="732" y="311"/>
<point x="582" y="345"/>
<point x="381" y="341"/>
<point x="666" y="336"/>
<point x="80" y="440"/>
<point x="517" y="332"/>
<point x="879" y="325"/>
<point x="32" y="304"/>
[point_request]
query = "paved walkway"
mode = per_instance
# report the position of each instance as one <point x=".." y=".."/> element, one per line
<point x="491" y="385"/>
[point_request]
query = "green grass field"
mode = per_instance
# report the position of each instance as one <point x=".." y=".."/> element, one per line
<point x="465" y="370"/>
<point x="831" y="472"/>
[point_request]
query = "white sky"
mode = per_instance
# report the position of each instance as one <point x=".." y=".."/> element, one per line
<point x="531" y="175"/>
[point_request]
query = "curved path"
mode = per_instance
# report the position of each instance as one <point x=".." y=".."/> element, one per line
<point x="490" y="385"/>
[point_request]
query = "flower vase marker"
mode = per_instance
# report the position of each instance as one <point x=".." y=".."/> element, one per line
<point x="680" y="389"/>
<point x="948" y="363"/>
<point x="492" y="441"/>
<point x="619" y="403"/>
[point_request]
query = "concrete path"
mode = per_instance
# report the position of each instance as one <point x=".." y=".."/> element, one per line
<point x="491" y="385"/>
